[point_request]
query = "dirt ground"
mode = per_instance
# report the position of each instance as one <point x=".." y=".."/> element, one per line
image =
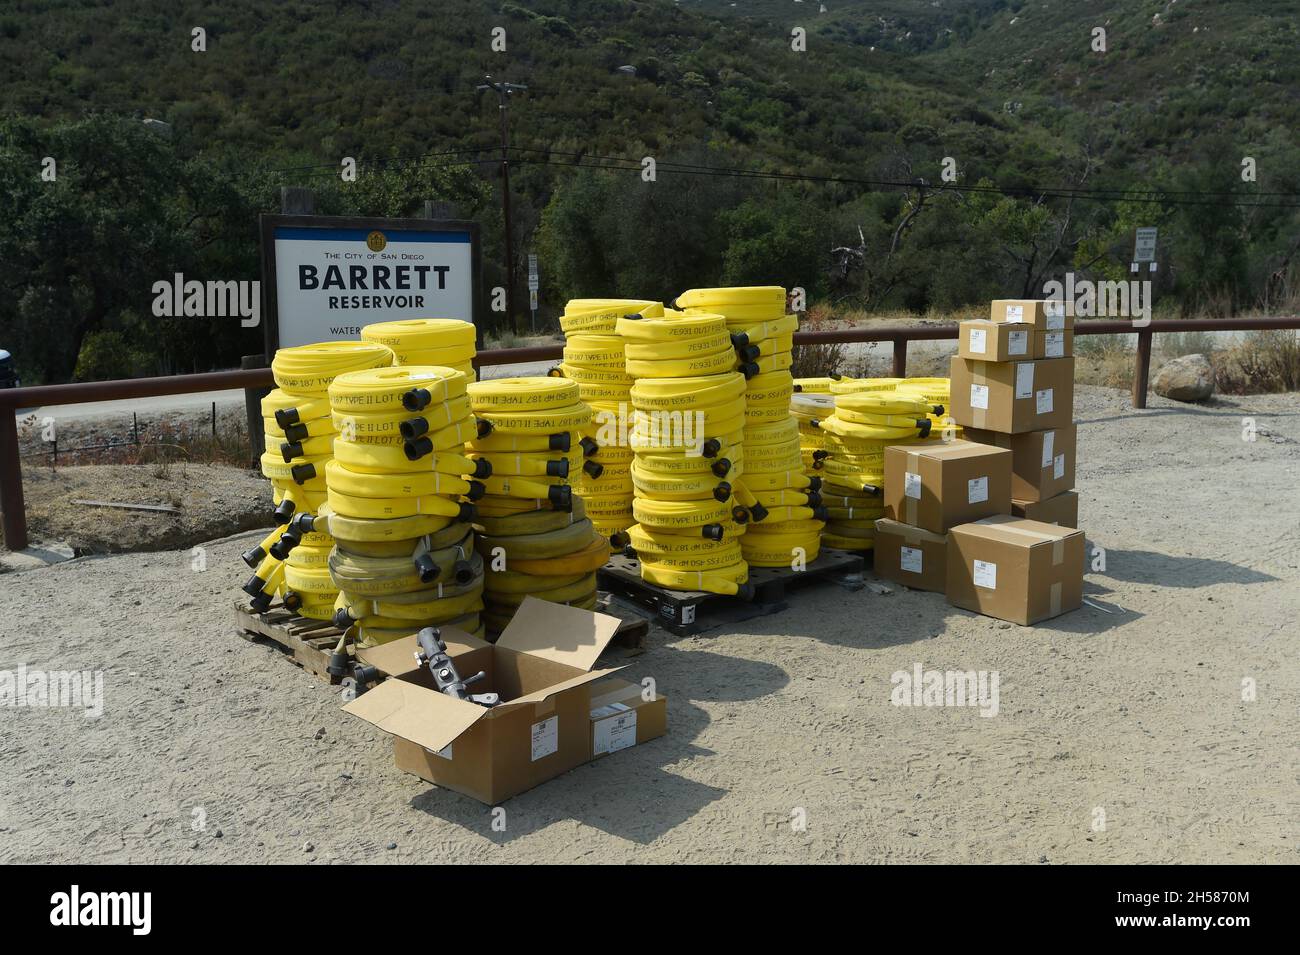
<point x="210" y="500"/>
<point x="1121" y="737"/>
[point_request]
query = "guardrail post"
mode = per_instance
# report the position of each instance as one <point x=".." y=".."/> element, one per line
<point x="13" y="511"/>
<point x="1141" y="368"/>
<point x="900" y="357"/>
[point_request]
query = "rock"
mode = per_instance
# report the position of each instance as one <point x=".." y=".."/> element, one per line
<point x="1190" y="378"/>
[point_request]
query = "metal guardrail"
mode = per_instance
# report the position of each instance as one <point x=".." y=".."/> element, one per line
<point x="13" y="513"/>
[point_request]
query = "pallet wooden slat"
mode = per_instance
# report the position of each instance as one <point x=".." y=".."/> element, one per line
<point x="687" y="612"/>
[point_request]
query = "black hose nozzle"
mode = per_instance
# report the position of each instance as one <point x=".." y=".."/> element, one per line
<point x="711" y="447"/>
<point x="560" y="496"/>
<point x="740" y="514"/>
<point x="589" y="447"/>
<point x="747" y="353"/>
<point x="412" y="428"/>
<point x="593" y="469"/>
<point x="482" y="427"/>
<point x="482" y="468"/>
<point x="620" y="539"/>
<point x="814" y="484"/>
<point x="711" y="532"/>
<point x="253" y="557"/>
<point x="290" y="450"/>
<point x="721" y="467"/>
<point x="924" y="425"/>
<point x="739" y="340"/>
<point x="296" y="432"/>
<point x="427" y="568"/>
<point x="758" y="512"/>
<point x="302" y="473"/>
<point x="287" y="542"/>
<point x="821" y="514"/>
<point x="417" y="399"/>
<point x="745" y="591"/>
<point x="254" y="586"/>
<point x="467" y="513"/>
<point x="414" y="450"/>
<point x="343" y="619"/>
<point x="285" y="417"/>
<point x="462" y="572"/>
<point x="722" y="493"/>
<point x="292" y="601"/>
<point x="558" y="468"/>
<point x="748" y="369"/>
<point x="303" y="523"/>
<point x="476" y="490"/>
<point x="283" y="511"/>
<point x="560" y="442"/>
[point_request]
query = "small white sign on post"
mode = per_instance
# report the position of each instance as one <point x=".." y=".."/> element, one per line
<point x="1144" y="246"/>
<point x="533" y="286"/>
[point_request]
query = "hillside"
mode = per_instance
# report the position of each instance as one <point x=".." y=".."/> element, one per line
<point x="884" y="92"/>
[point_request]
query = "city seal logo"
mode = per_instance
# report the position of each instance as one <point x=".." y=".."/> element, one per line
<point x="376" y="242"/>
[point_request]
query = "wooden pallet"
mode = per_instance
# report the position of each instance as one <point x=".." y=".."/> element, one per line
<point x="305" y="641"/>
<point x="309" y="643"/>
<point x="686" y="612"/>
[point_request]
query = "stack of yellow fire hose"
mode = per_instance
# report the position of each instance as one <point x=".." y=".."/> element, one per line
<point x="535" y="537"/>
<point x="787" y="528"/>
<point x="299" y="442"/>
<point x="687" y="435"/>
<point x="445" y="342"/>
<point x="594" y="358"/>
<point x="937" y="392"/>
<point x="399" y="494"/>
<point x="856" y="434"/>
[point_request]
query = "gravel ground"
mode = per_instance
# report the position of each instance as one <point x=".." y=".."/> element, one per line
<point x="1121" y="737"/>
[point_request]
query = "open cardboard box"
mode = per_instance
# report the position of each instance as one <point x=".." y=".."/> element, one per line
<point x="545" y="724"/>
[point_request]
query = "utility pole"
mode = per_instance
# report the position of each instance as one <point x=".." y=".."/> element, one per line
<point x="503" y="91"/>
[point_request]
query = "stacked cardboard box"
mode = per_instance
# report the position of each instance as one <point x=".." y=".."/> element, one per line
<point x="1013" y="387"/>
<point x="930" y="488"/>
<point x="1013" y="390"/>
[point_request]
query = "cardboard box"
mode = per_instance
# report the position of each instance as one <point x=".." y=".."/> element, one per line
<point x="1015" y="569"/>
<point x="1042" y="462"/>
<point x="996" y="341"/>
<point x="1062" y="509"/>
<point x="1012" y="396"/>
<point x="541" y="666"/>
<point x="1055" y="343"/>
<point x="935" y="485"/>
<point x="1043" y="315"/>
<point x="621" y="717"/>
<point x="911" y="555"/>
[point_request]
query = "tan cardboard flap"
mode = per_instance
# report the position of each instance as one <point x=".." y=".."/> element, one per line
<point x="398" y="657"/>
<point x="423" y="716"/>
<point x="540" y="695"/>
<point x="559" y="633"/>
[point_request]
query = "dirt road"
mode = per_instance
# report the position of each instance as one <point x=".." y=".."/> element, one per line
<point x="1130" y="736"/>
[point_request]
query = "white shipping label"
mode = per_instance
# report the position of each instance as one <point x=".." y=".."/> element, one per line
<point x="614" y="733"/>
<point x="1054" y="314"/>
<point x="1015" y="313"/>
<point x="979" y="396"/>
<point x="1018" y="343"/>
<point x="978" y="341"/>
<point x="912" y="485"/>
<point x="977" y="490"/>
<point x="1025" y="379"/>
<point x="546" y="737"/>
<point x="1049" y="447"/>
<point x="986" y="575"/>
<point x="909" y="559"/>
<point x="1058" y="468"/>
<point x="1054" y="345"/>
<point x="1045" y="401"/>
